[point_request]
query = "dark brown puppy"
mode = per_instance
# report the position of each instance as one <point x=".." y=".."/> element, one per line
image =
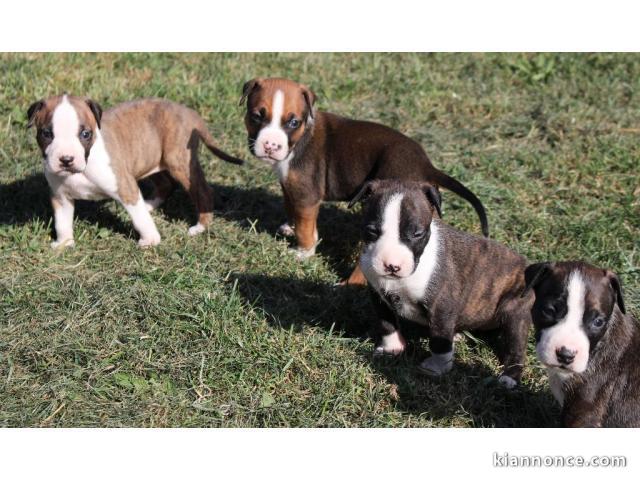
<point x="424" y="271"/>
<point x="590" y="347"/>
<point x="319" y="156"/>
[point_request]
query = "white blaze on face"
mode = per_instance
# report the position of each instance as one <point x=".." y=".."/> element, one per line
<point x="568" y="332"/>
<point x="388" y="251"/>
<point x="65" y="143"/>
<point x="272" y="142"/>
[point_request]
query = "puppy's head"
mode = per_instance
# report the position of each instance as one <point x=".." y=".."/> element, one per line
<point x="397" y="225"/>
<point x="574" y="303"/>
<point x="65" y="130"/>
<point x="279" y="111"/>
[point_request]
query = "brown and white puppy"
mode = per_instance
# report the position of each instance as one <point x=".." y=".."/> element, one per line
<point x="319" y="156"/>
<point x="590" y="347"/>
<point x="88" y="155"/>
<point x="422" y="270"/>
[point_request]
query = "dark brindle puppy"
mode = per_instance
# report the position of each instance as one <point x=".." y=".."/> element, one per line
<point x="590" y="347"/>
<point x="319" y="156"/>
<point x="424" y="271"/>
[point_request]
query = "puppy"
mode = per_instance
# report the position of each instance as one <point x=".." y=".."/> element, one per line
<point x="422" y="270"/>
<point x="590" y="347"/>
<point x="319" y="156"/>
<point x="89" y="155"/>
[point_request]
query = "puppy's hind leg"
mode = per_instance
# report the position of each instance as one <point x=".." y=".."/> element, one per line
<point x="163" y="186"/>
<point x="188" y="172"/>
<point x="516" y="321"/>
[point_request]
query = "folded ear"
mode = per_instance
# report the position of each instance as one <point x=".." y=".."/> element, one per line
<point x="534" y="274"/>
<point x="617" y="288"/>
<point x="96" y="109"/>
<point x="247" y="88"/>
<point x="364" y="192"/>
<point x="31" y="113"/>
<point x="433" y="195"/>
<point x="309" y="98"/>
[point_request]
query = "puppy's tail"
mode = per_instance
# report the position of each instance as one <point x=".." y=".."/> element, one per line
<point x="450" y="183"/>
<point x="207" y="139"/>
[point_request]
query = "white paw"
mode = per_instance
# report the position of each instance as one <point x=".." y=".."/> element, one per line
<point x="286" y="230"/>
<point x="392" y="344"/>
<point x="507" y="382"/>
<point x="437" y="364"/>
<point x="153" y="203"/>
<point x="303" y="254"/>
<point x="64" y="243"/>
<point x="196" y="229"/>
<point x="150" y="241"/>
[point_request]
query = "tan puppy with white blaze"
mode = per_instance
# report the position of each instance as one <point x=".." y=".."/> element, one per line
<point x="88" y="155"/>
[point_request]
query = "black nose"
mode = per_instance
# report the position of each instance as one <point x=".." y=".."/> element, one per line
<point x="66" y="160"/>
<point x="391" y="268"/>
<point x="565" y="356"/>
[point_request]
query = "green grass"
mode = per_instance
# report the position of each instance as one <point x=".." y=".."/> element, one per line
<point x="228" y="329"/>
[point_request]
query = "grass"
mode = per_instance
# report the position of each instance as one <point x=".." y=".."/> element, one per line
<point x="228" y="329"/>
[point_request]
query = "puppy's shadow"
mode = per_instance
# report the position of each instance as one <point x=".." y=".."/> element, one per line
<point x="470" y="391"/>
<point x="339" y="229"/>
<point x="28" y="199"/>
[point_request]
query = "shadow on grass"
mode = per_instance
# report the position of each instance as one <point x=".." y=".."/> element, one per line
<point x="28" y="199"/>
<point x="468" y="391"/>
<point x="339" y="229"/>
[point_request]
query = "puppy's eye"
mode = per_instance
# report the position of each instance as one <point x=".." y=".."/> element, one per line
<point x="46" y="133"/>
<point x="549" y="311"/>
<point x="255" y="118"/>
<point x="86" y="134"/>
<point x="372" y="231"/>
<point x="293" y="123"/>
<point x="598" y="322"/>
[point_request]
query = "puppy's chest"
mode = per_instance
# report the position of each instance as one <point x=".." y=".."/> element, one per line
<point x="407" y="299"/>
<point x="79" y="187"/>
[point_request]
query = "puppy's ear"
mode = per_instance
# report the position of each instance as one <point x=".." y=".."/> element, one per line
<point x="309" y="99"/>
<point x="617" y="288"/>
<point x="247" y="88"/>
<point x="433" y="195"/>
<point x="366" y="190"/>
<point x="31" y="113"/>
<point x="534" y="274"/>
<point x="96" y="109"/>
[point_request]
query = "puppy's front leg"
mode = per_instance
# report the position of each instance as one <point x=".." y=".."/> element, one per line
<point x="142" y="222"/>
<point x="441" y="346"/>
<point x="391" y="340"/>
<point x="63" y="208"/>
<point x="306" y="231"/>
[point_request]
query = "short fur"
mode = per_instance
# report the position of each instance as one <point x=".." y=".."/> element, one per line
<point x="331" y="157"/>
<point x="607" y="392"/>
<point x="149" y="137"/>
<point x="473" y="283"/>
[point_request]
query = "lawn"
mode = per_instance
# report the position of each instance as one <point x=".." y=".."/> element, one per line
<point x="228" y="328"/>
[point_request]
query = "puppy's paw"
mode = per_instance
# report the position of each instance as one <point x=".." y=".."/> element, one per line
<point x="302" y="254"/>
<point x="507" y="382"/>
<point x="196" y="229"/>
<point x="286" y="230"/>
<point x="437" y="364"/>
<point x="63" y="243"/>
<point x="391" y="345"/>
<point x="150" y="241"/>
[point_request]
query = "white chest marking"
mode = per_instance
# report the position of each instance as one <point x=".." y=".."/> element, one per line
<point x="557" y="379"/>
